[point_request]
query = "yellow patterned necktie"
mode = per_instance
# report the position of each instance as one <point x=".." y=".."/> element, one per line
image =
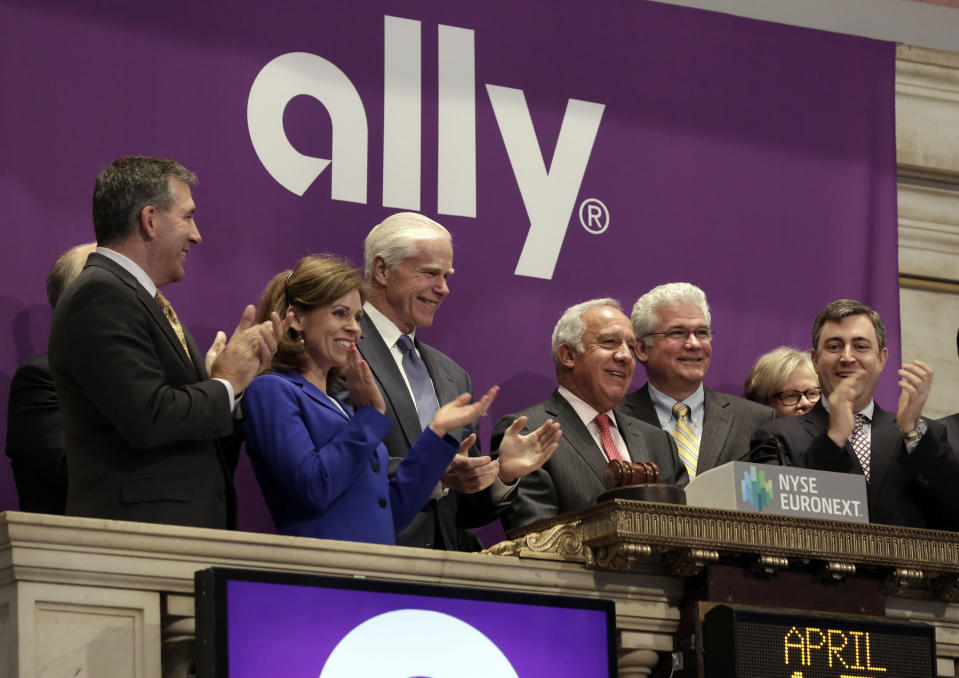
<point x="685" y="437"/>
<point x="170" y="314"/>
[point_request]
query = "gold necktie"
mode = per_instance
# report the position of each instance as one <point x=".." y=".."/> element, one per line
<point x="174" y="321"/>
<point x="685" y="437"/>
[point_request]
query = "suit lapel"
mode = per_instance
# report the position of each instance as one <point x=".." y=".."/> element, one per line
<point x="375" y="351"/>
<point x="153" y="310"/>
<point x="576" y="434"/>
<point x="883" y="446"/>
<point x="443" y="383"/>
<point x="717" y="423"/>
<point x="641" y="407"/>
<point x="315" y="394"/>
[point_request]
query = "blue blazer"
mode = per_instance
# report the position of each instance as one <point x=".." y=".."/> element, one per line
<point x="324" y="473"/>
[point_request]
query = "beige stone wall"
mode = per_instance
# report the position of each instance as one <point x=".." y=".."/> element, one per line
<point x="927" y="147"/>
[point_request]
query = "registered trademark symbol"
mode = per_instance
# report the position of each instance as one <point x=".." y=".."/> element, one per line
<point x="593" y="215"/>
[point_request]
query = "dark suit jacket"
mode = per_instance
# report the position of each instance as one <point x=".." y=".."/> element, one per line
<point x="35" y="439"/>
<point x="324" y="473"/>
<point x="728" y="422"/>
<point x="141" y="419"/>
<point x="915" y="490"/>
<point x="573" y="477"/>
<point x="441" y="524"/>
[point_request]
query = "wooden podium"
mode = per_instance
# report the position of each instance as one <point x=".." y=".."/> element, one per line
<point x="92" y="597"/>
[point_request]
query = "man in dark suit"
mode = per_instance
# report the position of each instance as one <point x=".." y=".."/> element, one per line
<point x="142" y="418"/>
<point x="593" y="346"/>
<point x="34" y="428"/>
<point x="674" y="344"/>
<point x="952" y="421"/>
<point x="408" y="259"/>
<point x="911" y="471"/>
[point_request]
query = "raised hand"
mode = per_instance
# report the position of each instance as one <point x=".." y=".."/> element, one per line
<point x="360" y="382"/>
<point x="470" y="474"/>
<point x="249" y="351"/>
<point x="461" y="412"/>
<point x="219" y="343"/>
<point x="520" y="455"/>
<point x="916" y="382"/>
<point x="841" y="413"/>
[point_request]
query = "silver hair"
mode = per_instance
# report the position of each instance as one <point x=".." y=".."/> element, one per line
<point x="771" y="372"/>
<point x="396" y="237"/>
<point x="570" y="326"/>
<point x="645" y="316"/>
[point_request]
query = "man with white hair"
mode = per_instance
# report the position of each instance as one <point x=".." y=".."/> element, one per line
<point x="674" y="344"/>
<point x="408" y="259"/>
<point x="593" y="346"/>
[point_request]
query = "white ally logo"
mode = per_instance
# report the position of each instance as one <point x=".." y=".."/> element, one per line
<point x="549" y="195"/>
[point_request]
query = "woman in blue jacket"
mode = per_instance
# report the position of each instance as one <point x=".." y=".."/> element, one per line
<point x="322" y="466"/>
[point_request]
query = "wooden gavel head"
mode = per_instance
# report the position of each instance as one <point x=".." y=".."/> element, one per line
<point x="619" y="473"/>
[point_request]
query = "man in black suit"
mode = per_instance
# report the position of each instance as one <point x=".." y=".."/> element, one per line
<point x="674" y="344"/>
<point x="408" y="259"/>
<point x="142" y="418"/>
<point x="34" y="428"/>
<point x="593" y="347"/>
<point x="911" y="471"/>
<point x="952" y="421"/>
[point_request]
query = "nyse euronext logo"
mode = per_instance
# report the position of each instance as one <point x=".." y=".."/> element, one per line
<point x="549" y="195"/>
<point x="756" y="489"/>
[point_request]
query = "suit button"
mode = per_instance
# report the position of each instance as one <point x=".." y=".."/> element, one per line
<point x="382" y="503"/>
<point x="375" y="466"/>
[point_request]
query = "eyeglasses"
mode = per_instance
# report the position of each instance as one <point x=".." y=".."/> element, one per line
<point x="677" y="334"/>
<point x="793" y="397"/>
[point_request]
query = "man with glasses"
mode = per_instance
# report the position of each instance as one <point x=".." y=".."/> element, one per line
<point x="593" y="346"/>
<point x="675" y="345"/>
<point x="910" y="470"/>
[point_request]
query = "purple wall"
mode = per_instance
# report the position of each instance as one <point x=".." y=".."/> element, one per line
<point x="753" y="159"/>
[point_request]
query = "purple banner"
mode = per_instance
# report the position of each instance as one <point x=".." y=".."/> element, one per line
<point x="574" y="151"/>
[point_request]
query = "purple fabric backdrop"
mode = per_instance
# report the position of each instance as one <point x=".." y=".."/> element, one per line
<point x="753" y="159"/>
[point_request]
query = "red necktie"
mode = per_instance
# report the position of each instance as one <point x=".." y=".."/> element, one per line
<point x="609" y="447"/>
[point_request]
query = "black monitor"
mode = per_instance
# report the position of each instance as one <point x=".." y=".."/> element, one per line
<point x="254" y="623"/>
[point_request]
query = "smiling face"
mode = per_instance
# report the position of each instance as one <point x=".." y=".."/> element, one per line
<point x="846" y="349"/>
<point x="330" y="331"/>
<point x="174" y="232"/>
<point x="676" y="367"/>
<point x="414" y="288"/>
<point x="603" y="372"/>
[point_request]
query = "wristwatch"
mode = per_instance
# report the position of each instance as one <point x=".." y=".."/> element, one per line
<point x="918" y="432"/>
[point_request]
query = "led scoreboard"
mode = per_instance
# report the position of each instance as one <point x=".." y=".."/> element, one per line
<point x="751" y="643"/>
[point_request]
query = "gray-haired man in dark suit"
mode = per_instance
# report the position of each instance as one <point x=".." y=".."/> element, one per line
<point x="674" y="344"/>
<point x="408" y="259"/>
<point x="593" y="351"/>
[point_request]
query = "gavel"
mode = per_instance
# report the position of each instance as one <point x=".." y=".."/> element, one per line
<point x="619" y="473"/>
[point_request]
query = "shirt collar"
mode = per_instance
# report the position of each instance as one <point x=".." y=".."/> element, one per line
<point x="664" y="403"/>
<point x="586" y="412"/>
<point x="131" y="267"/>
<point x="867" y="411"/>
<point x="388" y="330"/>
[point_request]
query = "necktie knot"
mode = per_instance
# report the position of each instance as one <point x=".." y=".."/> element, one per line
<point x="681" y="410"/>
<point x="405" y="343"/>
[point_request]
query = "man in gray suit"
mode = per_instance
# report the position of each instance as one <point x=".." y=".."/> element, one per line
<point x="674" y="344"/>
<point x="408" y="259"/>
<point x="593" y="347"/>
